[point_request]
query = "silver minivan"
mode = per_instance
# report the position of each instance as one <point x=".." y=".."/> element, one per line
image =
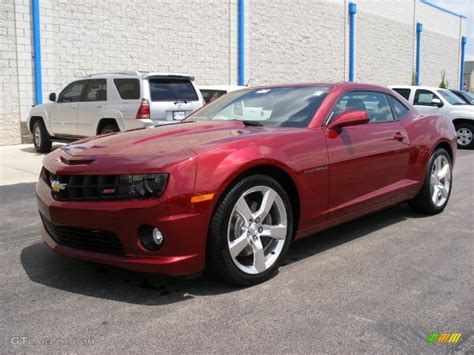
<point x="112" y="102"/>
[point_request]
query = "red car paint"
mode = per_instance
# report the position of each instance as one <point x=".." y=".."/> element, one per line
<point x="338" y="177"/>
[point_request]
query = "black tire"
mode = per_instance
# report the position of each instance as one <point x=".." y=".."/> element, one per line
<point x="465" y="135"/>
<point x="423" y="201"/>
<point x="219" y="263"/>
<point x="41" y="138"/>
<point x="109" y="128"/>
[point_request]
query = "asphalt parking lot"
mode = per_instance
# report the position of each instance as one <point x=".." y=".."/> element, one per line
<point x="379" y="284"/>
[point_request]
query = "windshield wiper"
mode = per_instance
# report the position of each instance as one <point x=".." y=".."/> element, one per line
<point x="252" y="123"/>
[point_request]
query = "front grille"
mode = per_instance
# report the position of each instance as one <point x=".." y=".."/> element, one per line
<point x="84" y="239"/>
<point x="91" y="187"/>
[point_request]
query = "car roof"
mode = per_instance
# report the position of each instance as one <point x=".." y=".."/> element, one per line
<point x="227" y="88"/>
<point x="142" y="74"/>
<point x="416" y="87"/>
<point x="339" y="85"/>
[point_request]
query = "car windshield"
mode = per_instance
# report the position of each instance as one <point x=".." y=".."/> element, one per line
<point x="451" y="98"/>
<point x="469" y="96"/>
<point x="291" y="106"/>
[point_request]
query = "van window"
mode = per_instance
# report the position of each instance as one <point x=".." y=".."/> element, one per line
<point x="129" y="89"/>
<point x="172" y="90"/>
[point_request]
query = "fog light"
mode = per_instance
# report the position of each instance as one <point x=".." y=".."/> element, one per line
<point x="157" y="236"/>
<point x="150" y="237"/>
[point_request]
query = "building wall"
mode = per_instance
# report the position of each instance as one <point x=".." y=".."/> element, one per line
<point x="301" y="41"/>
<point x="9" y="105"/>
<point x="441" y="45"/>
<point x="284" y="42"/>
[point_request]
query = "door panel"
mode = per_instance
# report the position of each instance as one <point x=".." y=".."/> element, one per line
<point x="91" y="107"/>
<point x="422" y="101"/>
<point x="63" y="120"/>
<point x="367" y="163"/>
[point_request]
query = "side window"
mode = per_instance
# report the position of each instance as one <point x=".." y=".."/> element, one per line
<point x="73" y="92"/>
<point x="424" y="98"/>
<point x="375" y="103"/>
<point x="403" y="92"/>
<point x="96" y="90"/>
<point x="128" y="89"/>
<point x="399" y="109"/>
<point x="211" y="95"/>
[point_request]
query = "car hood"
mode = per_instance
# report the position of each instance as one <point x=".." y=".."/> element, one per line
<point x="171" y="142"/>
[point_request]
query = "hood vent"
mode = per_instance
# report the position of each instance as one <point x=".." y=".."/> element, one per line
<point x="76" y="161"/>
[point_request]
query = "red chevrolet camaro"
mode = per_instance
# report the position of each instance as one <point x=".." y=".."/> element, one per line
<point x="230" y="187"/>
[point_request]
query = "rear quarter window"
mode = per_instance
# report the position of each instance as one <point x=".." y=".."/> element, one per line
<point x="211" y="95"/>
<point x="172" y="90"/>
<point x="128" y="89"/>
<point x="399" y="109"/>
<point x="403" y="92"/>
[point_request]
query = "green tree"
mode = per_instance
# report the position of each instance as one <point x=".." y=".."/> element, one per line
<point x="444" y="84"/>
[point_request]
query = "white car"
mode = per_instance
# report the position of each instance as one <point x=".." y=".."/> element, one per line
<point x="113" y="102"/>
<point x="432" y="100"/>
<point x="212" y="92"/>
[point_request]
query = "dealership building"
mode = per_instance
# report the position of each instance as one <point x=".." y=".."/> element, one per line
<point x="45" y="44"/>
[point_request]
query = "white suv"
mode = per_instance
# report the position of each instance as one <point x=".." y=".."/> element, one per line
<point x="432" y="100"/>
<point x="113" y="102"/>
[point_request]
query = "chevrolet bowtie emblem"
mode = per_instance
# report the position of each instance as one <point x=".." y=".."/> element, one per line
<point x="57" y="186"/>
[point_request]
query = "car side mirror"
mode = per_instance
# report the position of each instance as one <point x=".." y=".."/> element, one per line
<point x="52" y="97"/>
<point x="349" y="118"/>
<point x="436" y="102"/>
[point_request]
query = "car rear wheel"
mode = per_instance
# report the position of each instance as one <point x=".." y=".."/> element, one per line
<point x="434" y="195"/>
<point x="41" y="138"/>
<point x="465" y="135"/>
<point x="250" y="231"/>
<point x="110" y="128"/>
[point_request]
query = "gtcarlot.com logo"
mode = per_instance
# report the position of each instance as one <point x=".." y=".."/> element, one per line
<point x="24" y="340"/>
<point x="441" y="338"/>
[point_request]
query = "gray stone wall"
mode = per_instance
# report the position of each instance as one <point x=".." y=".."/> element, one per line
<point x="301" y="40"/>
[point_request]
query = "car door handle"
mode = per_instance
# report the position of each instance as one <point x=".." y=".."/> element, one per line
<point x="399" y="137"/>
<point x="100" y="106"/>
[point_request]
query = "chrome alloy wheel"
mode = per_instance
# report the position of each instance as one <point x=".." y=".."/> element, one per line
<point x="440" y="180"/>
<point x="464" y="135"/>
<point x="37" y="135"/>
<point x="257" y="229"/>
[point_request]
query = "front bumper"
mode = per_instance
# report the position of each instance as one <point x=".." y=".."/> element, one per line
<point x="183" y="249"/>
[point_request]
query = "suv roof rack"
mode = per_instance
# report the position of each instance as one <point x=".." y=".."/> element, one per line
<point x="122" y="72"/>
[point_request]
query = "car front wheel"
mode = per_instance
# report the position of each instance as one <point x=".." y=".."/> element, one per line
<point x="465" y="135"/>
<point x="250" y="231"/>
<point x="41" y="138"/>
<point x="434" y="194"/>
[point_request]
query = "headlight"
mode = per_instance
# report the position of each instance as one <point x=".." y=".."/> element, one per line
<point x="146" y="185"/>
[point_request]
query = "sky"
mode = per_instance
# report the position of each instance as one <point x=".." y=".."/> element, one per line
<point x="466" y="8"/>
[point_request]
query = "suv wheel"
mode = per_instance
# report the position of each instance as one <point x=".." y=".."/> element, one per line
<point x="465" y="135"/>
<point x="109" y="128"/>
<point x="41" y="138"/>
<point x="250" y="231"/>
